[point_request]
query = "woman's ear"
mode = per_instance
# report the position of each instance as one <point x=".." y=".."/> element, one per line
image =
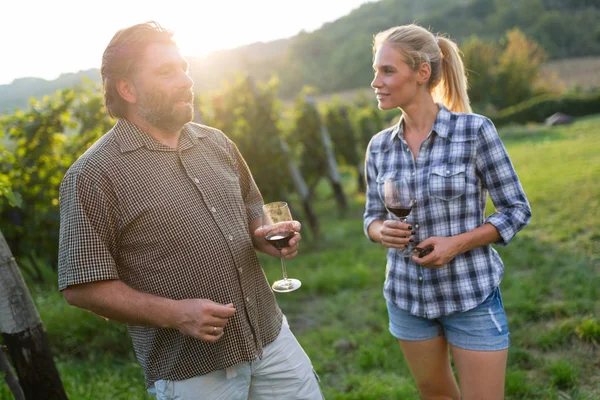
<point x="424" y="73"/>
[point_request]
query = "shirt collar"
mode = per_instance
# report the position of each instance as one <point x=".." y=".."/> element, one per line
<point x="441" y="126"/>
<point x="130" y="137"/>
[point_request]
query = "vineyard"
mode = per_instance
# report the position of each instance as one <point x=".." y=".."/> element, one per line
<point x="310" y="153"/>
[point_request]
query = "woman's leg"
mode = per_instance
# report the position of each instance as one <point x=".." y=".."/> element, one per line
<point x="429" y="363"/>
<point x="479" y="340"/>
<point x="480" y="373"/>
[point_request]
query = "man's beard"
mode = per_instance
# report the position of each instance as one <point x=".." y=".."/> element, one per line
<point x="161" y="111"/>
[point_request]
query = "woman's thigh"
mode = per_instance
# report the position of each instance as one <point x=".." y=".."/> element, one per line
<point x="426" y="352"/>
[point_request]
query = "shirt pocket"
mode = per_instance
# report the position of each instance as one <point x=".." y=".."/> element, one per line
<point x="447" y="182"/>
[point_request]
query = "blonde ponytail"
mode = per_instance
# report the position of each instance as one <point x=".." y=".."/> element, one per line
<point x="452" y="88"/>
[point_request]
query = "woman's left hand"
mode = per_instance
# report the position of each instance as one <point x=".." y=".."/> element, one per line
<point x="444" y="251"/>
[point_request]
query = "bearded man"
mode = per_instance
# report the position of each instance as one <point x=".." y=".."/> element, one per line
<point x="160" y="223"/>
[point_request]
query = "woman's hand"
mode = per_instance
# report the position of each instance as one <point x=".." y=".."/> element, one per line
<point x="444" y="251"/>
<point x="395" y="234"/>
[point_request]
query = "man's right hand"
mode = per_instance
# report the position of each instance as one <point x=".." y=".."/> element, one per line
<point x="203" y="319"/>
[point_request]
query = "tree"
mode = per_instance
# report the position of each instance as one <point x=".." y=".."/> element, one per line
<point x="317" y="158"/>
<point x="24" y="334"/>
<point x="248" y="114"/>
<point x="41" y="144"/>
<point x="480" y="61"/>
<point x="343" y="136"/>
<point x="518" y="69"/>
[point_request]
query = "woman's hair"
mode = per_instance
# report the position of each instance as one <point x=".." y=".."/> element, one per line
<point x="448" y="82"/>
<point x="120" y="60"/>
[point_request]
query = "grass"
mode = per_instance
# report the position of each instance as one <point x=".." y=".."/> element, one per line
<point x="551" y="291"/>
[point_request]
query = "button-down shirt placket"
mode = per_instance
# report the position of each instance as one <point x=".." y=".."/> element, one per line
<point x="229" y="239"/>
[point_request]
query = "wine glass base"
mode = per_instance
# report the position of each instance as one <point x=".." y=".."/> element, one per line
<point x="288" y="285"/>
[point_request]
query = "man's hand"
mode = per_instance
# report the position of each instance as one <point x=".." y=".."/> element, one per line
<point x="203" y="319"/>
<point x="291" y="251"/>
<point x="444" y="251"/>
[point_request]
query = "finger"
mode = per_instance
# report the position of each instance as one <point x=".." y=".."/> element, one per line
<point x="395" y="224"/>
<point x="427" y="261"/>
<point x="260" y="231"/>
<point x="396" y="240"/>
<point x="294" y="240"/>
<point x="398" y="233"/>
<point x="222" y="311"/>
<point x="291" y="255"/>
<point x="214" y="321"/>
<point x="210" y="338"/>
<point x="297" y="226"/>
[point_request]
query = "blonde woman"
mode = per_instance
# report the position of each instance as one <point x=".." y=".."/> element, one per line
<point x="448" y="299"/>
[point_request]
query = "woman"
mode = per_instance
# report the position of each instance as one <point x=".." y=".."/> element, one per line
<point x="452" y="158"/>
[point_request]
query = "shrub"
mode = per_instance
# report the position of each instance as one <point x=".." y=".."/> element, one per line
<point x="539" y="108"/>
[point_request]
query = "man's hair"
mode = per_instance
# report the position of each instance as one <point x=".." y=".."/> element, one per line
<point x="121" y="58"/>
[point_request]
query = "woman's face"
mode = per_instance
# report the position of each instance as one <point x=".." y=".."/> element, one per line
<point x="395" y="83"/>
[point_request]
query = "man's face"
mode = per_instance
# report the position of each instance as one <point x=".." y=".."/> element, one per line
<point x="164" y="96"/>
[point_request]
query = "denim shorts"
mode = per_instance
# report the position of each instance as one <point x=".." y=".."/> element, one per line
<point x="482" y="328"/>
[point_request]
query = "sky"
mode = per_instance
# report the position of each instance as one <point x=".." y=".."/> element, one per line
<point x="42" y="39"/>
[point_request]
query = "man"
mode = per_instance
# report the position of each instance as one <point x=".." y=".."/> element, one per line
<point x="160" y="223"/>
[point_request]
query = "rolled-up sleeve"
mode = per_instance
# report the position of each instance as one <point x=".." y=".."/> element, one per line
<point x="513" y="211"/>
<point x="374" y="207"/>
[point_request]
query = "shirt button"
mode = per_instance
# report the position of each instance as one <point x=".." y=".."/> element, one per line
<point x="416" y="226"/>
<point x="241" y="269"/>
<point x="447" y="172"/>
<point x="196" y="180"/>
<point x="420" y="278"/>
<point x="248" y="299"/>
<point x="407" y="149"/>
<point x="213" y="209"/>
<point x="230" y="237"/>
<point x="413" y="174"/>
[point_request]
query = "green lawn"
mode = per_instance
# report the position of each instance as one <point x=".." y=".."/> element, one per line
<point x="550" y="290"/>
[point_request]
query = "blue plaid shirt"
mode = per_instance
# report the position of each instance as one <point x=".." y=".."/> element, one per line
<point x="458" y="163"/>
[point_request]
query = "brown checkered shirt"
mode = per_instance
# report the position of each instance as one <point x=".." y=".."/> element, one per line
<point x="173" y="223"/>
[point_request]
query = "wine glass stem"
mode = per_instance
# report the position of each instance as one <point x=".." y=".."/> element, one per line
<point x="283" y="270"/>
<point x="407" y="248"/>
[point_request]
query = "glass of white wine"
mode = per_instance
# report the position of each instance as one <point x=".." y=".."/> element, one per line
<point x="277" y="219"/>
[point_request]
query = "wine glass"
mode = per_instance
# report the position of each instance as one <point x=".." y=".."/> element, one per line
<point x="399" y="200"/>
<point x="279" y="222"/>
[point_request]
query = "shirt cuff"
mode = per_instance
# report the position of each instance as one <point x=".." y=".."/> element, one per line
<point x="504" y="226"/>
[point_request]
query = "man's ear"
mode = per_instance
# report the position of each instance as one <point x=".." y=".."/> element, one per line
<point x="424" y="73"/>
<point x="126" y="90"/>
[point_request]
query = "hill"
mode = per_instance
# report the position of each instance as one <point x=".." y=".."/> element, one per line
<point x="337" y="57"/>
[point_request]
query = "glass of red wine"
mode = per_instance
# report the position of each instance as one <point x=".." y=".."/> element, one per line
<point x="277" y="218"/>
<point x="399" y="201"/>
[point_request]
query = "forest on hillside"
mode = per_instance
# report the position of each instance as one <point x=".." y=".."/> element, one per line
<point x="337" y="56"/>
